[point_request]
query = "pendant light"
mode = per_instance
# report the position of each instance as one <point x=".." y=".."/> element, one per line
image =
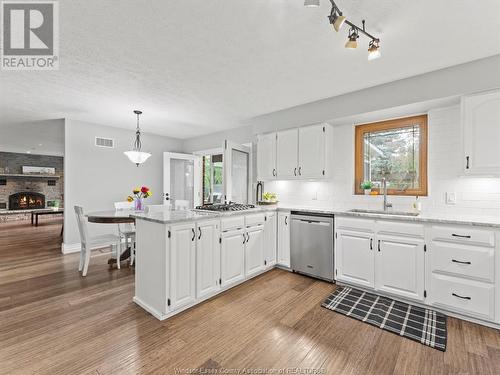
<point x="136" y="156"/>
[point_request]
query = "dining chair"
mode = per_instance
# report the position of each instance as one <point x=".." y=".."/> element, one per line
<point x="181" y="204"/>
<point x="126" y="231"/>
<point x="93" y="243"/>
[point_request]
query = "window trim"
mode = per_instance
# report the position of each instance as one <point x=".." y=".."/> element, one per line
<point x="360" y="131"/>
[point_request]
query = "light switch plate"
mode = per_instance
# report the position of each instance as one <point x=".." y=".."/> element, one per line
<point x="451" y="197"/>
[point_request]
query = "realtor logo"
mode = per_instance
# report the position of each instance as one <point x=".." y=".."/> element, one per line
<point x="30" y="35"/>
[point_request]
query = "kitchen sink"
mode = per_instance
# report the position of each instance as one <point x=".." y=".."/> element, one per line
<point x="381" y="212"/>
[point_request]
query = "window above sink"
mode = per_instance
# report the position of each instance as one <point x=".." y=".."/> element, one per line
<point x="395" y="150"/>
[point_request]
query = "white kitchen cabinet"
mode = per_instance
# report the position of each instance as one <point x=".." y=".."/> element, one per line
<point x="481" y="133"/>
<point x="232" y="257"/>
<point x="182" y="265"/>
<point x="207" y="258"/>
<point x="312" y="151"/>
<point x="254" y="250"/>
<point x="284" y="239"/>
<point x="354" y="257"/>
<point x="287" y="146"/>
<point x="399" y="266"/>
<point x="270" y="239"/>
<point x="266" y="157"/>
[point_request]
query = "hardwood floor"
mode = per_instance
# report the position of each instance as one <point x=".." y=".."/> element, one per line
<point x="52" y="321"/>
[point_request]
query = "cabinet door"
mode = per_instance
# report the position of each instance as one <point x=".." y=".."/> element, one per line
<point x="270" y="240"/>
<point x="287" y="153"/>
<point x="208" y="258"/>
<point x="266" y="157"/>
<point x="182" y="265"/>
<point x="354" y="258"/>
<point x="284" y="239"/>
<point x="312" y="151"/>
<point x="481" y="131"/>
<point x="232" y="257"/>
<point x="254" y="250"/>
<point x="399" y="266"/>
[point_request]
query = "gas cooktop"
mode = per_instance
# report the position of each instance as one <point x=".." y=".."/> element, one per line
<point x="231" y="206"/>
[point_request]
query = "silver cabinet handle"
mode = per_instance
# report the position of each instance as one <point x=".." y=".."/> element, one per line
<point x="460" y="235"/>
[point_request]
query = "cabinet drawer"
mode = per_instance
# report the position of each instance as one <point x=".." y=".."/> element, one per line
<point x="232" y="222"/>
<point x="399" y="228"/>
<point x="463" y="260"/>
<point x="357" y="224"/>
<point x="463" y="234"/>
<point x="467" y="296"/>
<point x="254" y="219"/>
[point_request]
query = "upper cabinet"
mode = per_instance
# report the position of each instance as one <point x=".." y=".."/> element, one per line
<point x="312" y="151"/>
<point x="287" y="145"/>
<point x="266" y="156"/>
<point x="294" y="153"/>
<point x="481" y="133"/>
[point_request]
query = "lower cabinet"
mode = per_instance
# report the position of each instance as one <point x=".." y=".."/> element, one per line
<point x="270" y="240"/>
<point x="207" y="258"/>
<point x="182" y="265"/>
<point x="354" y="258"/>
<point x="399" y="266"/>
<point x="232" y="264"/>
<point x="254" y="250"/>
<point x="284" y="239"/>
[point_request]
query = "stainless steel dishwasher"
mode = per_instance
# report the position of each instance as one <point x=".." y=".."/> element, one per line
<point x="311" y="244"/>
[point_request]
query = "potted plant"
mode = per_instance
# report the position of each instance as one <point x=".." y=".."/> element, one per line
<point x="137" y="197"/>
<point x="367" y="187"/>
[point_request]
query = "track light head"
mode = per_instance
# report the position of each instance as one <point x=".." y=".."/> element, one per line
<point x="338" y="22"/>
<point x="352" y="42"/>
<point x="373" y="50"/>
<point x="311" y="3"/>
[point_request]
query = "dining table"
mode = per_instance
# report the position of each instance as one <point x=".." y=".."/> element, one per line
<point x="113" y="217"/>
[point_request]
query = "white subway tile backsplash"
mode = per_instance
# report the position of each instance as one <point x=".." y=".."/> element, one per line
<point x="475" y="196"/>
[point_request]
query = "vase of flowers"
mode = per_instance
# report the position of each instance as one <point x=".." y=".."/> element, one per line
<point x="138" y="196"/>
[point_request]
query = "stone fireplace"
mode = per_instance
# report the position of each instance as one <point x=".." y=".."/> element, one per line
<point x="26" y="201"/>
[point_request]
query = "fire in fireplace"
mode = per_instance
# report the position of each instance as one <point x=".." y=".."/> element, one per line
<point x="26" y="201"/>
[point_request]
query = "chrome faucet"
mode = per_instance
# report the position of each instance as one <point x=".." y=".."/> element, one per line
<point x="387" y="205"/>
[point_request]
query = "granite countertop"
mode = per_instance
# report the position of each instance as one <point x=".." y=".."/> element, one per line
<point x="425" y="217"/>
<point x="171" y="217"/>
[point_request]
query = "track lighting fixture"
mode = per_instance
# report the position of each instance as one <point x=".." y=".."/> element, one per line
<point x="352" y="42"/>
<point x="337" y="20"/>
<point x="373" y="50"/>
<point x="311" y="3"/>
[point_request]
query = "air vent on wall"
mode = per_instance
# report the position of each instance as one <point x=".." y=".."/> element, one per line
<point x="104" y="142"/>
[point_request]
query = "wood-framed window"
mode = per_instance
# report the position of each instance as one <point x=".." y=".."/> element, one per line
<point x="394" y="149"/>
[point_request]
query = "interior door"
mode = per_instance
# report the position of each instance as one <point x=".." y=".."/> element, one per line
<point x="237" y="161"/>
<point x="181" y="180"/>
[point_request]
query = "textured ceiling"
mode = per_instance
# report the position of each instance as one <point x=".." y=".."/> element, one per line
<point x="195" y="67"/>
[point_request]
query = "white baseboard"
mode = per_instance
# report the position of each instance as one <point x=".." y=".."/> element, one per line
<point x="68" y="248"/>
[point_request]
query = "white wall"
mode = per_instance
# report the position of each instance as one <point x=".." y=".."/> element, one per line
<point x="96" y="177"/>
<point x="38" y="137"/>
<point x="475" y="196"/>
<point x="451" y="82"/>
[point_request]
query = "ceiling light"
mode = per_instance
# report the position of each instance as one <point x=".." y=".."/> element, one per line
<point x="373" y="50"/>
<point x="352" y="43"/>
<point x="136" y="156"/>
<point x="338" y="22"/>
<point x="311" y="3"/>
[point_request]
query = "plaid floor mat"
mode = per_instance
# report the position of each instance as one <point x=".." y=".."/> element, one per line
<point x="416" y="323"/>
